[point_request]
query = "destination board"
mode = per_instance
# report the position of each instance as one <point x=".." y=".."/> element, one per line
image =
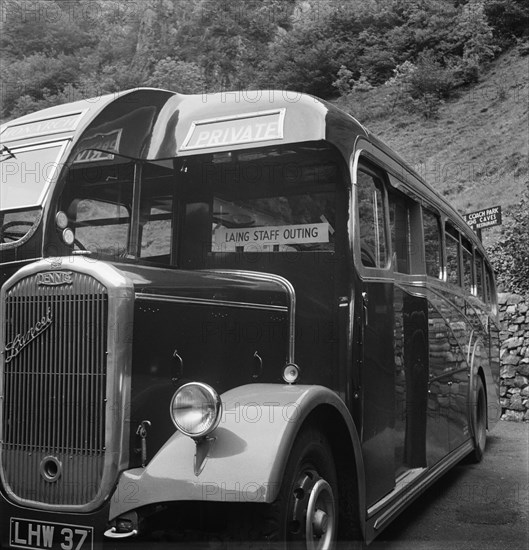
<point x="65" y="123"/>
<point x="93" y="149"/>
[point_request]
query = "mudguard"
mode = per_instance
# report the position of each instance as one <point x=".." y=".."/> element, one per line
<point x="246" y="460"/>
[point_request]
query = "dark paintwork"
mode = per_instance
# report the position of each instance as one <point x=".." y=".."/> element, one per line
<point x="411" y="379"/>
<point x="217" y="343"/>
<point x="214" y="342"/>
<point x="377" y="379"/>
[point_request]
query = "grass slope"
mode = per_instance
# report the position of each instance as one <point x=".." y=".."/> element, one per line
<point x="476" y="153"/>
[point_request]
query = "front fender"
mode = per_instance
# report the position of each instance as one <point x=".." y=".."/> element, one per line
<point x="247" y="459"/>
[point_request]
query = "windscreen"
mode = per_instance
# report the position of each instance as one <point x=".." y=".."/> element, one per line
<point x="272" y="200"/>
<point x="25" y="174"/>
<point x="187" y="212"/>
<point x="97" y="201"/>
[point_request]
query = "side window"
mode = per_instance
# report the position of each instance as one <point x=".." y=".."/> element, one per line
<point x="480" y="288"/>
<point x="452" y="254"/>
<point x="399" y="221"/>
<point x="432" y="244"/>
<point x="101" y="227"/>
<point x="156" y="217"/>
<point x="156" y="237"/>
<point x="489" y="286"/>
<point x="371" y="220"/>
<point x="467" y="264"/>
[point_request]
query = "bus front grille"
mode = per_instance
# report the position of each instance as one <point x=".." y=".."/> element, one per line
<point x="54" y="389"/>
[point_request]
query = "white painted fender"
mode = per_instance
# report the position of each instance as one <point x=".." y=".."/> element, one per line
<point x="245" y="462"/>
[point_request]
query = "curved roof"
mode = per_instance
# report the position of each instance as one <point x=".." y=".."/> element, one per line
<point x="160" y="124"/>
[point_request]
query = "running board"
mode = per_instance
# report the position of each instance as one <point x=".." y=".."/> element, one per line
<point x="408" y="489"/>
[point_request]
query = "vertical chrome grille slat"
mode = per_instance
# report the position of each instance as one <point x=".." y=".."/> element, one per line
<point x="55" y="390"/>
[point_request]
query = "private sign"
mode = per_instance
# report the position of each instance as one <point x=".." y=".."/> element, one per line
<point x="484" y="218"/>
<point x="242" y="129"/>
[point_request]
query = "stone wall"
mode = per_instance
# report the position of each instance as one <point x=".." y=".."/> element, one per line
<point x="514" y="389"/>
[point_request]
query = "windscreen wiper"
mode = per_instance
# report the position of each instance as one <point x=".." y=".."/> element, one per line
<point x="6" y="154"/>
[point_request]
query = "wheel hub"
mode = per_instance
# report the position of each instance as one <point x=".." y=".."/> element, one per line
<point x="313" y="512"/>
<point x="320" y="522"/>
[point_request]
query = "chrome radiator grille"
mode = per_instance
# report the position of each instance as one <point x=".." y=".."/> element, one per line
<point x="54" y="386"/>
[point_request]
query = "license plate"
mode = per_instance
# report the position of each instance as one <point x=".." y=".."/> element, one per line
<point x="40" y="535"/>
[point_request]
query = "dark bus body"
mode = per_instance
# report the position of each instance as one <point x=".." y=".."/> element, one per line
<point x="261" y="273"/>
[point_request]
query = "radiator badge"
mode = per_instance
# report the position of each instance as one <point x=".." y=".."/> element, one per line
<point x="20" y="341"/>
<point x="54" y="278"/>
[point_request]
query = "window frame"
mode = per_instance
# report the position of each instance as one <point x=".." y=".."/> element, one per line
<point x="441" y="248"/>
<point x="100" y="222"/>
<point x="490" y="287"/>
<point x="466" y="246"/>
<point x="455" y="235"/>
<point x="379" y="175"/>
<point x="394" y="198"/>
<point x="478" y="256"/>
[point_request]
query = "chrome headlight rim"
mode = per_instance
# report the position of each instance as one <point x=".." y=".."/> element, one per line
<point x="212" y="399"/>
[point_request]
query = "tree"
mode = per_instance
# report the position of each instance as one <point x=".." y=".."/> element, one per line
<point x="508" y="18"/>
<point x="180" y="76"/>
<point x="59" y="49"/>
<point x="52" y="28"/>
<point x="36" y="77"/>
<point x="475" y="32"/>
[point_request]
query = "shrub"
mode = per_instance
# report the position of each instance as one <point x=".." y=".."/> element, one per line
<point x="430" y="77"/>
<point x="523" y="49"/>
<point x="510" y="254"/>
<point x="344" y="81"/>
<point x="422" y="86"/>
<point x="347" y="84"/>
<point x="465" y="71"/>
<point x="428" y="105"/>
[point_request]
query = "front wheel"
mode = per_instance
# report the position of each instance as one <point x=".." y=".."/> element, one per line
<point x="305" y="514"/>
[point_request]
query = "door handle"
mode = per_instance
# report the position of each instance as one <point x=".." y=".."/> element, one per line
<point x="365" y="303"/>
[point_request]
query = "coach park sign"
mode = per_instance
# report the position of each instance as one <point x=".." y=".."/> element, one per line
<point x="482" y="219"/>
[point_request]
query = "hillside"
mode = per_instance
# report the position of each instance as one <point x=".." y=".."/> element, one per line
<point x="476" y="153"/>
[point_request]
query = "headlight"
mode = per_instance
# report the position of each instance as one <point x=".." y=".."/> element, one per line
<point x="196" y="409"/>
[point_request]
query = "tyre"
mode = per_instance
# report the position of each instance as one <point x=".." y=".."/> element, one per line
<point x="479" y="423"/>
<point x="305" y="514"/>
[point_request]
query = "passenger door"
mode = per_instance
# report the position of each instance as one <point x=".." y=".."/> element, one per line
<point x="374" y="301"/>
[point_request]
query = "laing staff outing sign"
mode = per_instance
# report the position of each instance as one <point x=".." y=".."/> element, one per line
<point x="229" y="239"/>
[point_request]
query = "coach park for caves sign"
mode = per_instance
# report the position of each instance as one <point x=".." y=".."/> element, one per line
<point x="489" y="217"/>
